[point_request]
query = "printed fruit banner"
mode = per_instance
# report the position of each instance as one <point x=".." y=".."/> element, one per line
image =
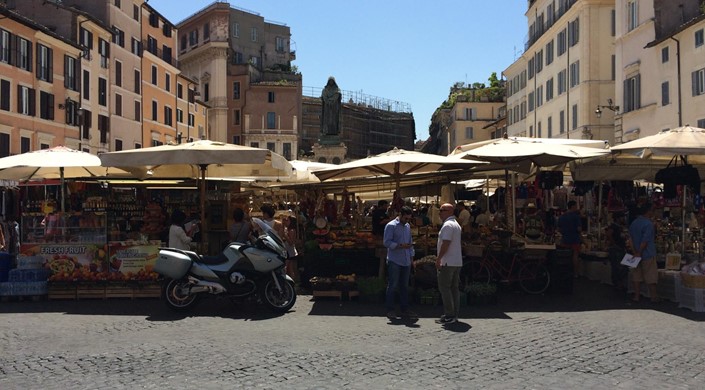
<point x="70" y="261"/>
<point x="135" y="262"/>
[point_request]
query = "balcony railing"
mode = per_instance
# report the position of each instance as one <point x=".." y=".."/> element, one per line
<point x="539" y="30"/>
<point x="165" y="56"/>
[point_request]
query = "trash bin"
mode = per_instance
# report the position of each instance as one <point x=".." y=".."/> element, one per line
<point x="560" y="266"/>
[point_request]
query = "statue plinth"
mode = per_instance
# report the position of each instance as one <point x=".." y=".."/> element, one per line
<point x="330" y="153"/>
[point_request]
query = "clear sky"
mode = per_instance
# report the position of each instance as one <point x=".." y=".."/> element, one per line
<point x="405" y="50"/>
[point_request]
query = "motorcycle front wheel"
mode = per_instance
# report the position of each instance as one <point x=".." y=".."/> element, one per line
<point x="279" y="301"/>
<point x="176" y="295"/>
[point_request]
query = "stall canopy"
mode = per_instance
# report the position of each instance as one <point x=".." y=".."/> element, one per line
<point x="208" y="158"/>
<point x="58" y="162"/>
<point x="397" y="164"/>
<point x="682" y="141"/>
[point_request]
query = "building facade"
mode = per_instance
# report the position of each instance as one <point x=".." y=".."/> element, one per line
<point x="660" y="62"/>
<point x="470" y="120"/>
<point x="242" y="64"/>
<point x="570" y="69"/>
<point x="39" y="87"/>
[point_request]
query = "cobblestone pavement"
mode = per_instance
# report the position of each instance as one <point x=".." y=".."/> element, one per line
<point x="592" y="339"/>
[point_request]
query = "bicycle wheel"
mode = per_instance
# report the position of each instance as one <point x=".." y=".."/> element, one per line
<point x="475" y="271"/>
<point x="534" y="278"/>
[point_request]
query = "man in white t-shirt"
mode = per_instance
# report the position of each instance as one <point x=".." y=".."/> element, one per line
<point x="449" y="263"/>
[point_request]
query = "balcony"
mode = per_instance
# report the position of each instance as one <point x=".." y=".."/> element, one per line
<point x="165" y="56"/>
<point x="539" y="30"/>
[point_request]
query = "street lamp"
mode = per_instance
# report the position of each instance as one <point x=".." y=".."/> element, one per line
<point x="610" y="106"/>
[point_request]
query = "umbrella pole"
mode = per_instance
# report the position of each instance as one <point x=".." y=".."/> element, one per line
<point x="514" y="204"/>
<point x="63" y="193"/>
<point x="599" y="214"/>
<point x="685" y="188"/>
<point x="203" y="207"/>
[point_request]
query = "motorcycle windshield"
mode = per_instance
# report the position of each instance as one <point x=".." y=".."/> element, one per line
<point x="274" y="238"/>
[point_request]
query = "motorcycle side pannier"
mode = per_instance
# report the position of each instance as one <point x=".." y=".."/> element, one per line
<point x="172" y="264"/>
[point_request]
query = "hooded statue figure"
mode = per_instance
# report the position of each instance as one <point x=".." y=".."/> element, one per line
<point x="331" y="108"/>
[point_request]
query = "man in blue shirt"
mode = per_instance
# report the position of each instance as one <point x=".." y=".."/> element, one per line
<point x="400" y="253"/>
<point x="569" y="225"/>
<point x="643" y="239"/>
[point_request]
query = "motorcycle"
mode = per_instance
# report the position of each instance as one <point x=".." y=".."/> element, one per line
<point x="241" y="271"/>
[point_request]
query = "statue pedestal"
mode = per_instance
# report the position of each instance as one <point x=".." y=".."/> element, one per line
<point x="330" y="154"/>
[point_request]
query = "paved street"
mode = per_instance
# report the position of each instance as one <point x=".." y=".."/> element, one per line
<point x="593" y="339"/>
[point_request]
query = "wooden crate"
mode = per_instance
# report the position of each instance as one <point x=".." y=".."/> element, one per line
<point x="90" y="292"/>
<point x="118" y="292"/>
<point x="62" y="292"/>
<point x="151" y="290"/>
<point x="328" y="293"/>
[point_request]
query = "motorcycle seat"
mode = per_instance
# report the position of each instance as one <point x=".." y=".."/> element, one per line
<point x="214" y="260"/>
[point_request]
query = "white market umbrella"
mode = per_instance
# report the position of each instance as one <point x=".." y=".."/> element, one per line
<point x="58" y="162"/>
<point x="397" y="164"/>
<point x="683" y="141"/>
<point x="200" y="159"/>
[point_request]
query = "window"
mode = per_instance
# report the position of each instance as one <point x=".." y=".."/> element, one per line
<point x="279" y="44"/>
<point x="191" y="120"/>
<point x="549" y="53"/>
<point x="154" y="110"/>
<point x="26" y="100"/>
<point x="254" y="60"/>
<point x="167" y="82"/>
<point x="613" y="23"/>
<point x="154" y="75"/>
<point x="236" y="117"/>
<point x="574" y="74"/>
<point x="24" y="54"/>
<point x="4" y="144"/>
<point x="561" y="42"/>
<point x="531" y="101"/>
<point x="183" y="44"/>
<point x="531" y="131"/>
<point x="103" y="128"/>
<point x="5" y="95"/>
<point x="138" y="146"/>
<point x="236" y="30"/>
<point x="632" y="15"/>
<point x="698" y="78"/>
<point x="561" y="82"/>
<point x="271" y="120"/>
<point x="632" y="93"/>
<point x="152" y="45"/>
<point x="166" y="54"/>
<point x="193" y="38"/>
<point x="138" y="111"/>
<point x="136" y="13"/>
<point x="664" y="55"/>
<point x="532" y="67"/>
<point x="614" y="67"/>
<point x="46" y="105"/>
<point x="469" y="134"/>
<point x="45" y="61"/>
<point x="179" y="90"/>
<point x="236" y="90"/>
<point x="539" y="62"/>
<point x="665" y="98"/>
<point x="470" y="114"/>
<point x="699" y="38"/>
<point x="118" y="73"/>
<point x="87" y="122"/>
<point x="254" y="144"/>
<point x="701" y="123"/>
<point x="118" y="145"/>
<point x="549" y="89"/>
<point x="574" y="32"/>
<point x="25" y="143"/>
<point x="270" y="97"/>
<point x="287" y="150"/>
<point x="206" y="32"/>
<point x="539" y="96"/>
<point x="102" y="91"/>
<point x="104" y="51"/>
<point x="85" y="38"/>
<point x="166" y="30"/>
<point x="549" y="125"/>
<point x="575" y="116"/>
<point x="180" y="115"/>
<point x="118" y="37"/>
<point x="138" y="81"/>
<point x="153" y="19"/>
<point x="206" y="92"/>
<point x="253" y="34"/>
<point x="118" y="104"/>
<point x="561" y="122"/>
<point x="237" y="58"/>
<point x="168" y="118"/>
<point x="5" y="38"/>
<point x="136" y="47"/>
<point x="70" y="73"/>
<point x="271" y="146"/>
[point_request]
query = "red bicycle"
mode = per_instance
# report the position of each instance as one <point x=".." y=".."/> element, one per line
<point x="532" y="274"/>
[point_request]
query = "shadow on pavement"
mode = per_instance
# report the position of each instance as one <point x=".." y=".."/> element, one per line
<point x="587" y="296"/>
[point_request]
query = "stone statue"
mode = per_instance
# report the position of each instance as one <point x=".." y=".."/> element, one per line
<point x="331" y="108"/>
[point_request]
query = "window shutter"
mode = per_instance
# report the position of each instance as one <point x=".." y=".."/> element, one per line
<point x="50" y="106"/>
<point x="625" y="93"/>
<point x="50" y="58"/>
<point x="5" y="95"/>
<point x="38" y="70"/>
<point x="637" y="98"/>
<point x="29" y="56"/>
<point x="694" y="76"/>
<point x="66" y="71"/>
<point x="32" y="102"/>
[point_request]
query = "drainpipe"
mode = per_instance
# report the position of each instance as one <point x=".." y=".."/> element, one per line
<point x="678" y="64"/>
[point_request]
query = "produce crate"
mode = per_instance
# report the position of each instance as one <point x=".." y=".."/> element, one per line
<point x="327" y="293"/>
<point x="147" y="290"/>
<point x="693" y="281"/>
<point x="90" y="292"/>
<point x="117" y="291"/>
<point x="62" y="291"/>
